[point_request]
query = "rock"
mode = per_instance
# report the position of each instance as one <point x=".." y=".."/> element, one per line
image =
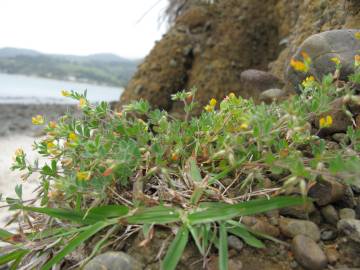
<point x="235" y="243"/>
<point x="293" y="227"/>
<point x="327" y="191"/>
<point x="307" y="253"/>
<point x="350" y="227"/>
<point x="357" y="211"/>
<point x="332" y="255"/>
<point x="328" y="234"/>
<point x="347" y="213"/>
<point x="330" y="214"/>
<point x="271" y="95"/>
<point x="265" y="227"/>
<point x="258" y="81"/>
<point x="341" y="138"/>
<point x="300" y="212"/>
<point x="113" y="261"/>
<point x="348" y="200"/>
<point x="321" y="48"/>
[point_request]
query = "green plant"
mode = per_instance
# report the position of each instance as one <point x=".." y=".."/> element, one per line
<point x="141" y="167"/>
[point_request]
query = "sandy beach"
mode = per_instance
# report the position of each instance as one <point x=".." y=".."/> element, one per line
<point x="17" y="131"/>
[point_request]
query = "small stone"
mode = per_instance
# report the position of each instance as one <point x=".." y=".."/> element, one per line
<point x="173" y="63"/>
<point x="307" y="253"/>
<point x="330" y="214"/>
<point x="341" y="138"/>
<point x="271" y="95"/>
<point x="351" y="227"/>
<point x="300" y="212"/>
<point x="328" y="234"/>
<point x="332" y="255"/>
<point x="113" y="261"/>
<point x="293" y="227"/>
<point x="347" y="213"/>
<point x="327" y="191"/>
<point x="265" y="227"/>
<point x="235" y="243"/>
<point x="357" y="211"/>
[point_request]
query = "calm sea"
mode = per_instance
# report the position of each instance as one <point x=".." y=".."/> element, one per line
<point x="24" y="89"/>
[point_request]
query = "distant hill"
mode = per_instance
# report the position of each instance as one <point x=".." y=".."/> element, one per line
<point x="104" y="68"/>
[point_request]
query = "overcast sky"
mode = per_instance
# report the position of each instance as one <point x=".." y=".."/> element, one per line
<point x="81" y="26"/>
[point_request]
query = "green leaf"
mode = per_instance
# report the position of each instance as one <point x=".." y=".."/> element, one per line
<point x="176" y="249"/>
<point x="157" y="215"/>
<point x="194" y="171"/>
<point x="211" y="212"/>
<point x="19" y="253"/>
<point x="5" y="235"/>
<point x="241" y="231"/>
<point x="17" y="261"/>
<point x="75" y="242"/>
<point x="223" y="247"/>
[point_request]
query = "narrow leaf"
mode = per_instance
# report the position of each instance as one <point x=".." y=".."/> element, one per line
<point x="19" y="253"/>
<point x="175" y="250"/>
<point x="241" y="231"/>
<point x="158" y="215"/>
<point x="74" y="243"/>
<point x="223" y="248"/>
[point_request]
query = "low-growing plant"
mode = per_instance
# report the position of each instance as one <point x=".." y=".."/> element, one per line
<point x="107" y="171"/>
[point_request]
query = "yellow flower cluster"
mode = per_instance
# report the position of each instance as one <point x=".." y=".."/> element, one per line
<point x="325" y="121"/>
<point x="19" y="152"/>
<point x="308" y="81"/>
<point x="83" y="175"/>
<point x="357" y="35"/>
<point x="72" y="137"/>
<point x="210" y="107"/>
<point x="38" y="120"/>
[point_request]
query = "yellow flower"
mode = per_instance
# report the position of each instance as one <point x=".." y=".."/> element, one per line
<point x="357" y="35"/>
<point x="308" y="81"/>
<point x="244" y="126"/>
<point x="50" y="145"/>
<point x="209" y="108"/>
<point x="212" y="102"/>
<point x="299" y="66"/>
<point x="52" y="124"/>
<point x="19" y="152"/>
<point x="357" y="60"/>
<point x="65" y="93"/>
<point x="232" y="95"/>
<point x="83" y="176"/>
<point x="325" y="121"/>
<point x="38" y="120"/>
<point x="72" y="137"/>
<point x="336" y="60"/>
<point x="82" y="102"/>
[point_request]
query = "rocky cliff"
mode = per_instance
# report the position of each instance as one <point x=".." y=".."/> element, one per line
<point x="209" y="46"/>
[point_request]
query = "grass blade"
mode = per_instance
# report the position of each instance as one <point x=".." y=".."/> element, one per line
<point x="156" y="215"/>
<point x="220" y="211"/>
<point x="223" y="247"/>
<point x="241" y="231"/>
<point x="19" y="253"/>
<point x="17" y="261"/>
<point x="5" y="235"/>
<point x="75" y="242"/>
<point x="176" y="249"/>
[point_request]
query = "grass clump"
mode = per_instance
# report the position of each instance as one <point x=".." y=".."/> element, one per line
<point x="106" y="171"/>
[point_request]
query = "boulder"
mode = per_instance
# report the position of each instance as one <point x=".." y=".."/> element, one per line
<point x="321" y="48"/>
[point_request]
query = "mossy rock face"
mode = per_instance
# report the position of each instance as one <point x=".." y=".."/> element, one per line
<point x="113" y="261"/>
<point x="321" y="48"/>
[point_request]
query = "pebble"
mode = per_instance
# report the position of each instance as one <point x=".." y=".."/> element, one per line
<point x="351" y="227"/>
<point x="293" y="227"/>
<point x="347" y="213"/>
<point x="307" y="253"/>
<point x="332" y="255"/>
<point x="330" y="214"/>
<point x="328" y="234"/>
<point x="235" y="243"/>
<point x="113" y="261"/>
<point x="300" y="212"/>
<point x="271" y="95"/>
<point x="341" y="138"/>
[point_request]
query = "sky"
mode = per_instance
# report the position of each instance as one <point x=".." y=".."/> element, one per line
<point x="82" y="27"/>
